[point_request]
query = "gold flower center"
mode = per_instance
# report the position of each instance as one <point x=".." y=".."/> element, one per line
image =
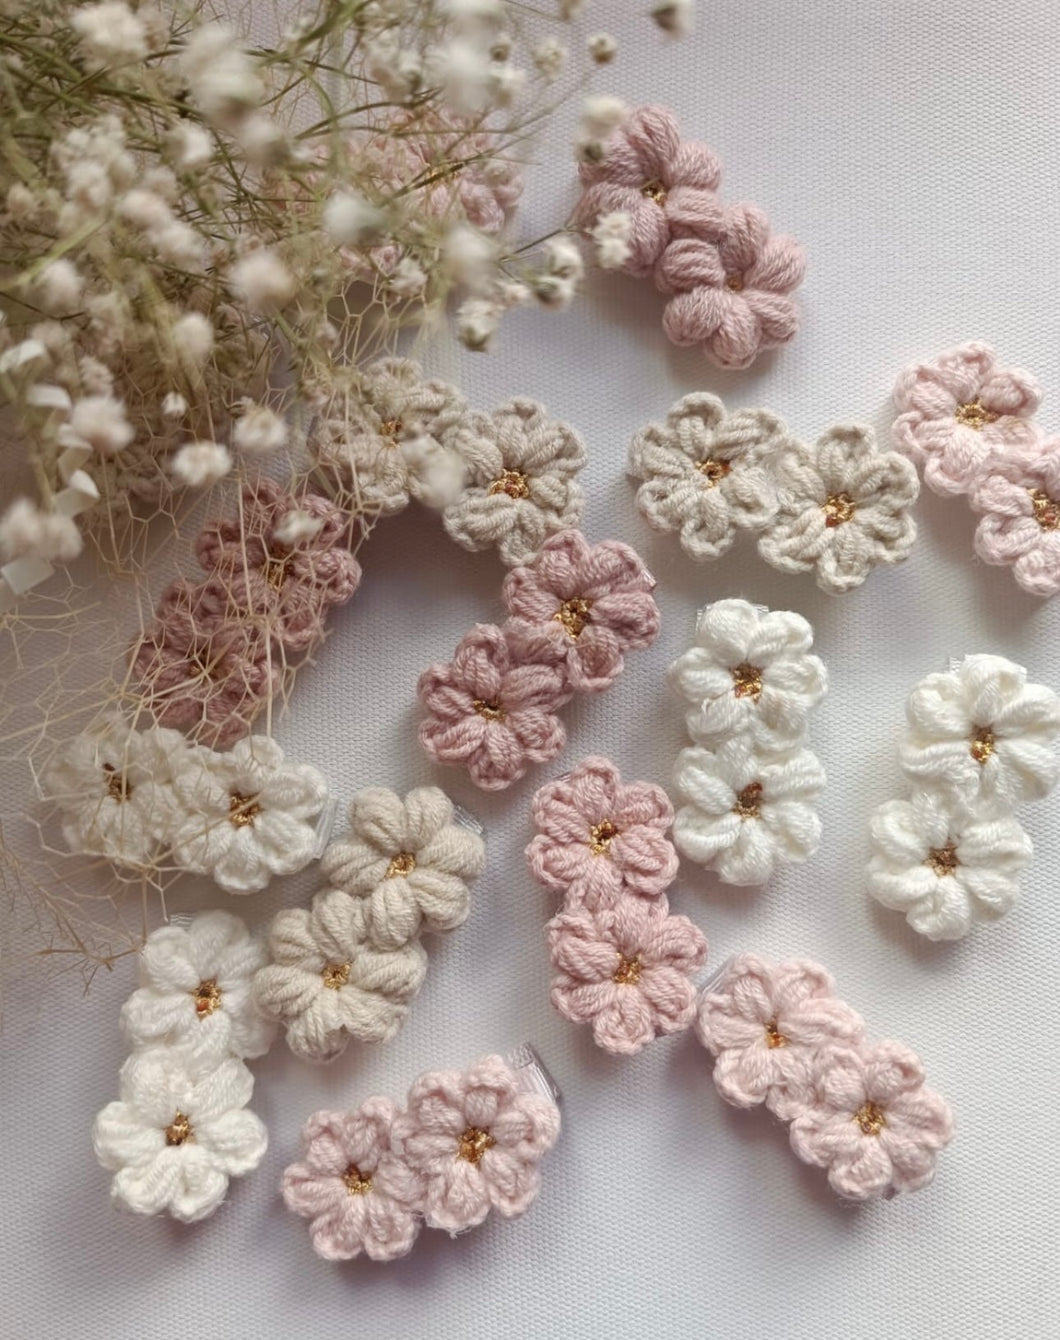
<point x="734" y="282"/>
<point x="117" y="784"/>
<point x="749" y="801"/>
<point x="207" y="997"/>
<point x="1046" y="510"/>
<point x="870" y="1118"/>
<point x="982" y="744"/>
<point x="943" y="860"/>
<point x="491" y="711"/>
<point x="747" y="681"/>
<point x="390" y="431"/>
<point x="512" y="482"/>
<point x="336" y="975"/>
<point x="179" y="1131"/>
<point x="357" y="1184"/>
<point x="600" y="836"/>
<point x="774" y="1037"/>
<point x="713" y="471"/>
<point x="654" y="190"/>
<point x="975" y="415"/>
<point x="274" y="570"/>
<point x="839" y="508"/>
<point x="628" y="971"/>
<point x="574" y="615"/>
<point x="242" y="810"/>
<point x="403" y="864"/>
<point x="474" y="1143"/>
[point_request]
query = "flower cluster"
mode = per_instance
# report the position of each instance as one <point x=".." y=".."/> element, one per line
<point x="350" y="964"/>
<point x="970" y="426"/>
<point x="575" y="609"/>
<point x="467" y="1142"/>
<point x="749" y="783"/>
<point x="623" y="963"/>
<point x="729" y="278"/>
<point x="980" y="740"/>
<point x="780" y="1037"/>
<point x="180" y="1130"/>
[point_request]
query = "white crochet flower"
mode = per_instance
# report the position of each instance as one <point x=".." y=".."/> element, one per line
<point x="749" y="672"/>
<point x="745" y="814"/>
<point x="178" y="1132"/>
<point x="844" y="507"/>
<point x="983" y="733"/>
<point x="707" y="473"/>
<point x="522" y="487"/>
<point x="243" y="816"/>
<point x="408" y="860"/>
<point x="195" y="989"/>
<point x="947" y="869"/>
<point x="326" y="984"/>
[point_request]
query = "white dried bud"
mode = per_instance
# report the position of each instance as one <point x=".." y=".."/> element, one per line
<point x="60" y="287"/>
<point x="476" y="321"/>
<point x="221" y="77"/>
<point x="563" y="257"/>
<point x="259" y="431"/>
<point x="349" y="218"/>
<point x="674" y="16"/>
<point x="550" y="56"/>
<point x="611" y="236"/>
<point x="27" y="532"/>
<point x="99" y="421"/>
<point x="174" y="406"/>
<point x="145" y="209"/>
<point x="297" y="525"/>
<point x="191" y="145"/>
<point x="601" y="47"/>
<point x="111" y="34"/>
<point x="262" y="280"/>
<point x="600" y="115"/>
<point x="408" y="280"/>
<point x="470" y="255"/>
<point x="193" y="338"/>
<point x="554" y="291"/>
<point x="200" y="463"/>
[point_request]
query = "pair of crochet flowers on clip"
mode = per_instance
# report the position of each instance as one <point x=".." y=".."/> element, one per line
<point x="837" y="508"/>
<point x="979" y="742"/>
<point x="574" y="609"/>
<point x="749" y="783"/>
<point x="728" y="277"/>
<point x="180" y="1130"/>
<point x="780" y="1037"/>
<point x="351" y="963"/>
<point x="969" y="424"/>
<point x="465" y="1143"/>
<point x="623" y="962"/>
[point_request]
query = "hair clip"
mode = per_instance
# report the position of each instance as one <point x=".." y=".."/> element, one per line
<point x="467" y="1142"/>
<point x="779" y="1037"/>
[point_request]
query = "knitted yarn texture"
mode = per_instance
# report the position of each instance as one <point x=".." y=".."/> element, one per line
<point x="1018" y="501"/>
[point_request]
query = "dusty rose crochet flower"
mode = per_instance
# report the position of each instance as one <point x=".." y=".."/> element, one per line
<point x="351" y="1186"/>
<point x="959" y="408"/>
<point x="664" y="184"/>
<point x="1018" y="495"/>
<point x="731" y="290"/>
<point x="491" y="713"/>
<point x="873" y="1124"/>
<point x="598" y="838"/>
<point x="476" y="1139"/>
<point x="763" y="1023"/>
<point x="580" y="606"/>
<point x="626" y="971"/>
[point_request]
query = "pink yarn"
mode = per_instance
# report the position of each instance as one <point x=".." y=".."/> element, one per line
<point x="599" y="840"/>
<point x="872" y="1124"/>
<point x="1018" y="494"/>
<point x="959" y="409"/>
<point x="625" y="971"/>
<point x="580" y="606"/>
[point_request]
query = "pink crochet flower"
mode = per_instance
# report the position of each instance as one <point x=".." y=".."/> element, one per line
<point x="764" y="1023"/>
<point x="626" y="971"/>
<point x="665" y="185"/>
<point x="358" y="1195"/>
<point x="873" y="1125"/>
<point x="475" y="1138"/>
<point x="490" y="712"/>
<point x="580" y="606"/>
<point x="959" y="408"/>
<point x="1018" y="494"/>
<point x="598" y="839"/>
<point x="731" y="288"/>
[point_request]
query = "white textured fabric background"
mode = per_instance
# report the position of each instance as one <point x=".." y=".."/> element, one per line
<point x="913" y="149"/>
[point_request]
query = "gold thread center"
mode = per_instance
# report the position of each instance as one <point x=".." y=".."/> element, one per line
<point x="473" y="1144"/>
<point x="513" y="483"/>
<point x="242" y="810"/>
<point x="713" y="471"/>
<point x="774" y="1037"/>
<point x="118" y="786"/>
<point x="628" y="971"/>
<point x="600" y="836"/>
<point x="870" y="1118"/>
<point x="749" y="801"/>
<point x="574" y="615"/>
<point x="974" y="414"/>
<point x="179" y="1131"/>
<point x="491" y="711"/>
<point x="943" y="860"/>
<point x="403" y="864"/>
<point x="357" y="1184"/>
<point x="390" y="431"/>
<point x="983" y="744"/>
<point x="734" y="282"/>
<point x="839" y="508"/>
<point x="1046" y="510"/>
<point x="207" y="997"/>
<point x="747" y="681"/>
<point x="274" y="570"/>
<point x="654" y="190"/>
<point x="336" y="975"/>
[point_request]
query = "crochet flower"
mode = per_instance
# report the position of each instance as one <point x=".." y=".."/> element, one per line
<point x="408" y="860"/>
<point x="245" y="815"/>
<point x="1018" y="496"/>
<point x="581" y="606"/>
<point x="747" y="814"/>
<point x="325" y="983"/>
<point x="491" y="713"/>
<point x="844" y="507"/>
<point x="356" y="1193"/>
<point x="749" y="673"/>
<point x="706" y="472"/>
<point x="521" y="468"/>
<point x="598" y="838"/>
<point x="625" y="970"/>
<point x="731" y="288"/>
<point x="983" y="733"/>
<point x="872" y="1124"/>
<point x="475" y="1139"/>
<point x="666" y="186"/>
<point x="178" y="1132"/>
<point x="958" y="409"/>
<point x="944" y="867"/>
<point x="195" y="989"/>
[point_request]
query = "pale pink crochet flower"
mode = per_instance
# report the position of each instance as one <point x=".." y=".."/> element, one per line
<point x="490" y="712"/>
<point x="475" y="1138"/>
<point x="665" y="185"/>
<point x="358" y="1195"/>
<point x="731" y="288"/>
<point x="626" y="971"/>
<point x="598" y="839"/>
<point x="580" y="606"/>
<point x="763" y="1023"/>
<point x="873" y="1124"/>
<point x="959" y="408"/>
<point x="1018" y="494"/>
